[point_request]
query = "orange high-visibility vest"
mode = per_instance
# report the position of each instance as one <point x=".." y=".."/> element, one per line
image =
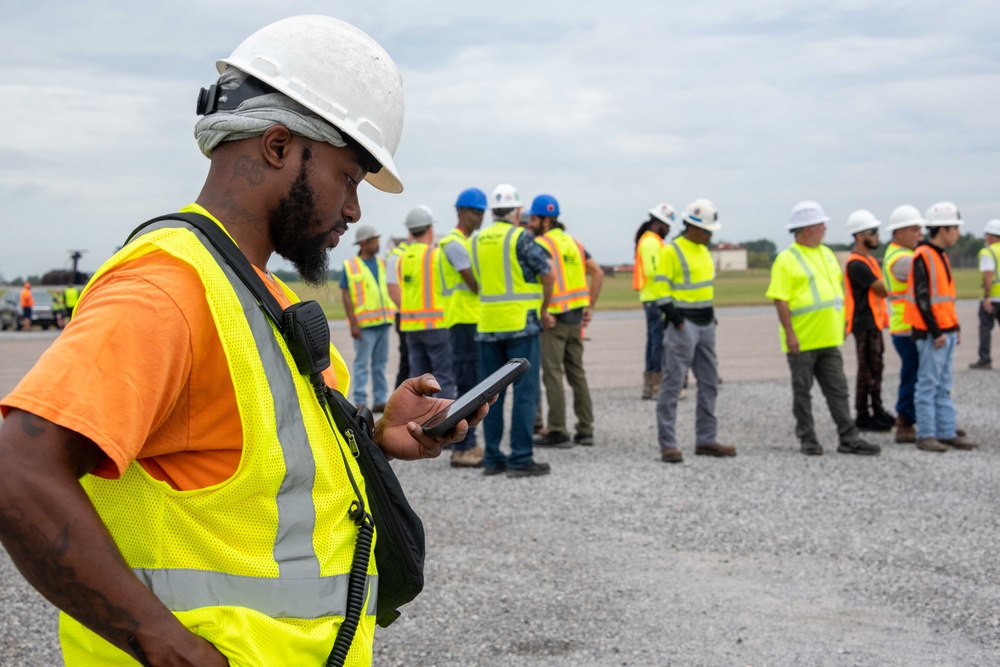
<point x="942" y="290"/>
<point x="568" y="257"/>
<point x="879" y="312"/>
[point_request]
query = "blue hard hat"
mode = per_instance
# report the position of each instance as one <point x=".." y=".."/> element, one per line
<point x="471" y="198"/>
<point x="545" y="206"/>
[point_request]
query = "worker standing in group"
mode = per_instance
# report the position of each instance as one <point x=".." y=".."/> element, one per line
<point x="461" y="310"/>
<point x="930" y="310"/>
<point x="392" y="284"/>
<point x="421" y="312"/>
<point x="169" y="477"/>
<point x="649" y="242"/>
<point x="71" y="295"/>
<point x="807" y="286"/>
<point x="578" y="281"/>
<point x="369" y="311"/>
<point x="27" y="304"/>
<point x="515" y="288"/>
<point x="687" y="269"/>
<point x="989" y="307"/>
<point x="904" y="225"/>
<point x="866" y="316"/>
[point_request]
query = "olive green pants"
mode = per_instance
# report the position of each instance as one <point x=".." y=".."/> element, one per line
<point x="562" y="349"/>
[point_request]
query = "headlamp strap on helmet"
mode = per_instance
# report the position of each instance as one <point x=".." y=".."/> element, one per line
<point x="215" y="99"/>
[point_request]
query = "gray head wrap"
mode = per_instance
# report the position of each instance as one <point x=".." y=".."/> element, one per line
<point x="255" y="115"/>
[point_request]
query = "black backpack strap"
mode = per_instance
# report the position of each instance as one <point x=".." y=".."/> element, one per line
<point x="230" y="252"/>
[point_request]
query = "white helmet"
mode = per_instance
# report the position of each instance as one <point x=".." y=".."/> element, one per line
<point x="701" y="213"/>
<point x="337" y="71"/>
<point x="419" y="218"/>
<point x="365" y="233"/>
<point x="861" y="221"/>
<point x="806" y="213"/>
<point x="904" y="216"/>
<point x="992" y="227"/>
<point x="505" y="195"/>
<point x="942" y="214"/>
<point x="663" y="212"/>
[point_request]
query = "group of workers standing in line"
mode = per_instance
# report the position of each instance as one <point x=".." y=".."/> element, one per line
<point x="468" y="304"/>
<point x="817" y="304"/>
<point x="63" y="304"/>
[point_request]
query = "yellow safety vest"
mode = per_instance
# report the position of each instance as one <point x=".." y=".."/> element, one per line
<point x="993" y="250"/>
<point x="689" y="272"/>
<point x="258" y="565"/>
<point x="647" y="259"/>
<point x="568" y="257"/>
<point x="370" y="295"/>
<point x="816" y="302"/>
<point x="895" y="289"/>
<point x="461" y="304"/>
<point x="505" y="297"/>
<point x="420" y="280"/>
<point x="71" y="296"/>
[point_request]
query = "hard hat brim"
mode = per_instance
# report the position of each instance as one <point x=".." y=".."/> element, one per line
<point x="707" y="226"/>
<point x="799" y="225"/>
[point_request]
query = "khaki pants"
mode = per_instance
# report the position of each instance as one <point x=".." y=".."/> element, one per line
<point x="562" y="348"/>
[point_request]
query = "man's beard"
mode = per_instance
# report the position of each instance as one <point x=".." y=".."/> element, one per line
<point x="291" y="226"/>
<point x="871" y="244"/>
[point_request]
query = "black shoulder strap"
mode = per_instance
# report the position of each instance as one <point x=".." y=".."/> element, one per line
<point x="231" y="253"/>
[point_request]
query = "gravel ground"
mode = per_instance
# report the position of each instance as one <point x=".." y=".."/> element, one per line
<point x="771" y="558"/>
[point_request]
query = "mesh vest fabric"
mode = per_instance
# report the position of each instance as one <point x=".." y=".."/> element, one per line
<point x="505" y="297"/>
<point x="813" y="286"/>
<point x="942" y="290"/>
<point x="647" y="259"/>
<point x="369" y="294"/>
<point x="257" y="564"/>
<point x="875" y="302"/>
<point x="993" y="250"/>
<point x="461" y="305"/>
<point x="568" y="258"/>
<point x="896" y="289"/>
<point x="420" y="282"/>
<point x="689" y="273"/>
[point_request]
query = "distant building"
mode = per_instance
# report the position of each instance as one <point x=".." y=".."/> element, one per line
<point x="729" y="257"/>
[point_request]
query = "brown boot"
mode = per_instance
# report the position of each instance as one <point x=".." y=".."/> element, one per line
<point x="647" y="386"/>
<point x="714" y="450"/>
<point x="654" y="383"/>
<point x="905" y="433"/>
<point x="672" y="455"/>
<point x="931" y="445"/>
<point x="469" y="458"/>
<point x="959" y="442"/>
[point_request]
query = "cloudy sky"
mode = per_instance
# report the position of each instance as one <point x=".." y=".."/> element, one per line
<point x="611" y="107"/>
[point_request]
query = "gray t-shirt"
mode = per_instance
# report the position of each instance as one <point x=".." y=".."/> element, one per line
<point x="390" y="269"/>
<point x="457" y="256"/>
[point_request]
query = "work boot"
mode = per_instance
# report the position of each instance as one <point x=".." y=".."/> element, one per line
<point x="859" y="446"/>
<point x="870" y="423"/>
<point x="811" y="448"/>
<point x="958" y="442"/>
<point x="655" y="379"/>
<point x="585" y="439"/>
<point x="960" y="432"/>
<point x="533" y="469"/>
<point x="671" y="455"/>
<point x="647" y="385"/>
<point x="494" y="470"/>
<point x="905" y="433"/>
<point x="467" y="458"/>
<point x="714" y="449"/>
<point x="552" y="439"/>
<point x="931" y="445"/>
<point x="981" y="365"/>
<point x="886" y="418"/>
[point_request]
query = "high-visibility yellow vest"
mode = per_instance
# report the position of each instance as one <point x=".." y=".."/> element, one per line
<point x="369" y="294"/>
<point x="461" y="304"/>
<point x="505" y="297"/>
<point x="568" y="260"/>
<point x="896" y="289"/>
<point x="816" y="299"/>
<point x="689" y="272"/>
<point x="647" y="259"/>
<point x="71" y="296"/>
<point x="420" y="281"/>
<point x="258" y="565"/>
<point x="398" y="252"/>
<point x="993" y="250"/>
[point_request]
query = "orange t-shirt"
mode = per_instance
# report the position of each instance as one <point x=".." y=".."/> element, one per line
<point x="142" y="373"/>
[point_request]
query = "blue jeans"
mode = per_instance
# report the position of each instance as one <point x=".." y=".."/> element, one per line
<point x="372" y="349"/>
<point x="493" y="355"/>
<point x="430" y="352"/>
<point x="907" y="350"/>
<point x="935" y="410"/>
<point x="465" y="365"/>
<point x="654" y="336"/>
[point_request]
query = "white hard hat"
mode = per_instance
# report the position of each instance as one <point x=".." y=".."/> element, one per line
<point x="904" y="216"/>
<point x="806" y="213"/>
<point x="861" y="221"/>
<point x="505" y="195"/>
<point x="992" y="227"/>
<point x="337" y="71"/>
<point x="663" y="212"/>
<point x="702" y="213"/>
<point x="365" y="233"/>
<point x="942" y="214"/>
<point x="419" y="217"/>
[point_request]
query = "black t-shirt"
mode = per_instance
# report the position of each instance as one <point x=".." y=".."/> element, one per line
<point x="862" y="277"/>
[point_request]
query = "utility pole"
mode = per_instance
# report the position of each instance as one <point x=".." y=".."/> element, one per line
<point x="75" y="255"/>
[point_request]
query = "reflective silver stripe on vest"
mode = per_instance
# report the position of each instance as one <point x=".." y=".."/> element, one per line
<point x="816" y="304"/>
<point x="686" y="269"/>
<point x="422" y="315"/>
<point x="932" y="270"/>
<point x="996" y="267"/>
<point x="662" y="279"/>
<point x="569" y="296"/>
<point x="508" y="277"/>
<point x="298" y="565"/>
